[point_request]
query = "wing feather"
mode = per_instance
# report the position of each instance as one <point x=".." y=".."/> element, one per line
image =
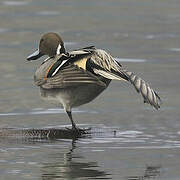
<point x="106" y="66"/>
<point x="70" y="76"/>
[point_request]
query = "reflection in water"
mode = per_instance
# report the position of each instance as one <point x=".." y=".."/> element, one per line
<point x="68" y="167"/>
<point x="59" y="161"/>
<point x="30" y="134"/>
<point x="151" y="172"/>
<point x="55" y="163"/>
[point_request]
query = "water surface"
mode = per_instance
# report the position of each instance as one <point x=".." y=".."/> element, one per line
<point x="129" y="139"/>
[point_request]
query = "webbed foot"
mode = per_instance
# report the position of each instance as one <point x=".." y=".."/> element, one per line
<point x="79" y="131"/>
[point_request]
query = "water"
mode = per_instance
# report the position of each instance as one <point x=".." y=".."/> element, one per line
<point x="129" y="140"/>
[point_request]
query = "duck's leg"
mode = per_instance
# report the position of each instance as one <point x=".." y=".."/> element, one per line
<point x="72" y="122"/>
<point x="74" y="127"/>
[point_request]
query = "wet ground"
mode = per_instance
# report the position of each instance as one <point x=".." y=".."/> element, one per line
<point x="128" y="140"/>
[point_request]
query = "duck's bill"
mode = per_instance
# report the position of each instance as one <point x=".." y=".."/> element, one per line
<point x="37" y="54"/>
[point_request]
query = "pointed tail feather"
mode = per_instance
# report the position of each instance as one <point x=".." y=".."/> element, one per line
<point x="150" y="96"/>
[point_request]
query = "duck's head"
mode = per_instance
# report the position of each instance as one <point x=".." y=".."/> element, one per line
<point x="50" y="44"/>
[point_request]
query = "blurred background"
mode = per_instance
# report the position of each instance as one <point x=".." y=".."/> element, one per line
<point x="145" y="37"/>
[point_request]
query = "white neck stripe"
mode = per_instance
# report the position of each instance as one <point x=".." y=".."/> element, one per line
<point x="58" y="49"/>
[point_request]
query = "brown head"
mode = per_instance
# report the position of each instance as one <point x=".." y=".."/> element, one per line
<point x="50" y="44"/>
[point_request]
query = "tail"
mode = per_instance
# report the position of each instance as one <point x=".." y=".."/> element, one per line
<point x="150" y="96"/>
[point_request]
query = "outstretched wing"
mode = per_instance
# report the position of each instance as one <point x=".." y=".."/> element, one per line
<point x="105" y="65"/>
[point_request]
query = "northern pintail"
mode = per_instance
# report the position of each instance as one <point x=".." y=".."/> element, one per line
<point x="77" y="77"/>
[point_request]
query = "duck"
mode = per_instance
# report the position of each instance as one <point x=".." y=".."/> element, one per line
<point x="74" y="78"/>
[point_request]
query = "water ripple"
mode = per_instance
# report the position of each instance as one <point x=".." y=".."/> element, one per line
<point x="100" y="138"/>
<point x="130" y="60"/>
<point x="48" y="13"/>
<point x="15" y="3"/>
<point x="39" y="111"/>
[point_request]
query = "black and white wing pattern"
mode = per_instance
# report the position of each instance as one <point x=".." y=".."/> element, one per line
<point x="105" y="65"/>
<point x="150" y="96"/>
<point x="66" y="72"/>
<point x="71" y="76"/>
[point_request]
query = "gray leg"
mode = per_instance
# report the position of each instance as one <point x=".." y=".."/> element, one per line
<point x="72" y="122"/>
<point x="75" y="129"/>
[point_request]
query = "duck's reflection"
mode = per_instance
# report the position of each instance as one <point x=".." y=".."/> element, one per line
<point x="151" y="172"/>
<point x="71" y="166"/>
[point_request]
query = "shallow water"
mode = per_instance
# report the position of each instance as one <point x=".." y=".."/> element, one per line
<point x="129" y="140"/>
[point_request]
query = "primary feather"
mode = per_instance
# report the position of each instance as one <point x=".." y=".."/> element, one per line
<point x="111" y="69"/>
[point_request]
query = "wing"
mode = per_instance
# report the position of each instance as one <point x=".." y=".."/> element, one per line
<point x="69" y="76"/>
<point x="105" y="65"/>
